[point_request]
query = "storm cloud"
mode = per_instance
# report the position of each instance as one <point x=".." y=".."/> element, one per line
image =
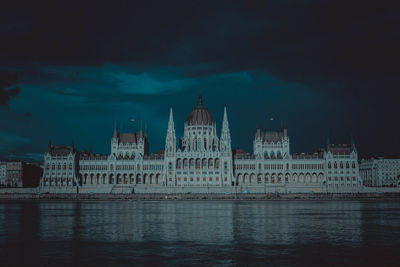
<point x="325" y="67"/>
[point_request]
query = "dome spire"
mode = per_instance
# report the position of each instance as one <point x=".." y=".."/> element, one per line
<point x="200" y="99"/>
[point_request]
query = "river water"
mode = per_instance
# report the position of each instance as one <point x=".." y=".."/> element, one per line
<point x="203" y="233"/>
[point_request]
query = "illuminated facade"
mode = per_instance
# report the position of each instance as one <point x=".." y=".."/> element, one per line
<point x="201" y="161"/>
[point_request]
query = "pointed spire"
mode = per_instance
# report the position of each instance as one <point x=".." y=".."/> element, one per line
<point x="141" y="130"/>
<point x="225" y="140"/>
<point x="91" y="150"/>
<point x="170" y="144"/>
<point x="115" y="129"/>
<point x="171" y="116"/>
<point x="72" y="143"/>
<point x="284" y="129"/>
<point x="353" y="145"/>
<point x="258" y="133"/>
<point x="200" y="99"/>
<point x="225" y="115"/>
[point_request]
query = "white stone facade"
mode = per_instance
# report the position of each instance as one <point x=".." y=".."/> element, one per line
<point x="381" y="172"/>
<point x="2" y="173"/>
<point x="201" y="159"/>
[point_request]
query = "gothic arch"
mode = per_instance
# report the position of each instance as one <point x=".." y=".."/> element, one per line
<point x="252" y="178"/>
<point x="267" y="178"/>
<point x="259" y="178"/>
<point x="239" y="178"/>
<point x="295" y="178"/>
<point x="210" y="163"/>
<point x="308" y="177"/>
<point x="246" y="178"/>
<point x="273" y="178"/>
<point x="204" y="163"/>
<point x="191" y="164"/>
<point x="301" y="177"/>
<point x="179" y="164"/>
<point x="314" y="178"/>
<point x="287" y="178"/>
<point x="280" y="178"/>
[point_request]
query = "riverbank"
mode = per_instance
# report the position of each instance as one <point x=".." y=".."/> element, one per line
<point x="159" y="197"/>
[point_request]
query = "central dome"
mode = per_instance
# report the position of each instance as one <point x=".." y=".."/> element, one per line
<point x="200" y="114"/>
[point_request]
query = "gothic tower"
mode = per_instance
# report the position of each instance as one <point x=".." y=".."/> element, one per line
<point x="170" y="152"/>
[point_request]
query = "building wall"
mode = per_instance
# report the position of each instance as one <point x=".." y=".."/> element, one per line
<point x="14" y="173"/>
<point x="3" y="168"/>
<point x="202" y="159"/>
<point x="59" y="170"/>
<point x="381" y="172"/>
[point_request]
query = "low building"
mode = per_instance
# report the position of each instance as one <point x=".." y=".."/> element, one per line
<point x="14" y="172"/>
<point x="381" y="171"/>
<point x="3" y="168"/>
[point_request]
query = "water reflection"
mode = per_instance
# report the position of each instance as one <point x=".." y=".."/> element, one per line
<point x="223" y="232"/>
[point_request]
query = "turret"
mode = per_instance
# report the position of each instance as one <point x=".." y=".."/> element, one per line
<point x="352" y="143"/>
<point x="170" y="142"/>
<point x="115" y="135"/>
<point x="225" y="140"/>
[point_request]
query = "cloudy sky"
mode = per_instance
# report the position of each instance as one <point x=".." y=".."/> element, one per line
<point x="69" y="69"/>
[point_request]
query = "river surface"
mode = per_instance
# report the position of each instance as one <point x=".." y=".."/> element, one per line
<point x="203" y="233"/>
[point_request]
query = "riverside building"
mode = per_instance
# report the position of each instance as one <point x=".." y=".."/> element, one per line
<point x="200" y="162"/>
<point x="381" y="171"/>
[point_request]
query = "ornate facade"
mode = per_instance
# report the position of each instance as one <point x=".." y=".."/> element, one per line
<point x="201" y="159"/>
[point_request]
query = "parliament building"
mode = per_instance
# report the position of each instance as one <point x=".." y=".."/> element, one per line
<point x="201" y="162"/>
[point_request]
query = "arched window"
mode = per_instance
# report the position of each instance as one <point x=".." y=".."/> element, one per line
<point x="347" y="165"/>
<point x="341" y="165"/>
<point x="329" y="165"/>
<point x="204" y="163"/>
<point x="179" y="165"/>
<point x="191" y="163"/>
<point x="70" y="166"/>
<point x="335" y="164"/>
<point x="354" y="165"/>
<point x="48" y="166"/>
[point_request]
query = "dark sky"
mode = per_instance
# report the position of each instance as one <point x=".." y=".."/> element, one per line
<point x="69" y="69"/>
